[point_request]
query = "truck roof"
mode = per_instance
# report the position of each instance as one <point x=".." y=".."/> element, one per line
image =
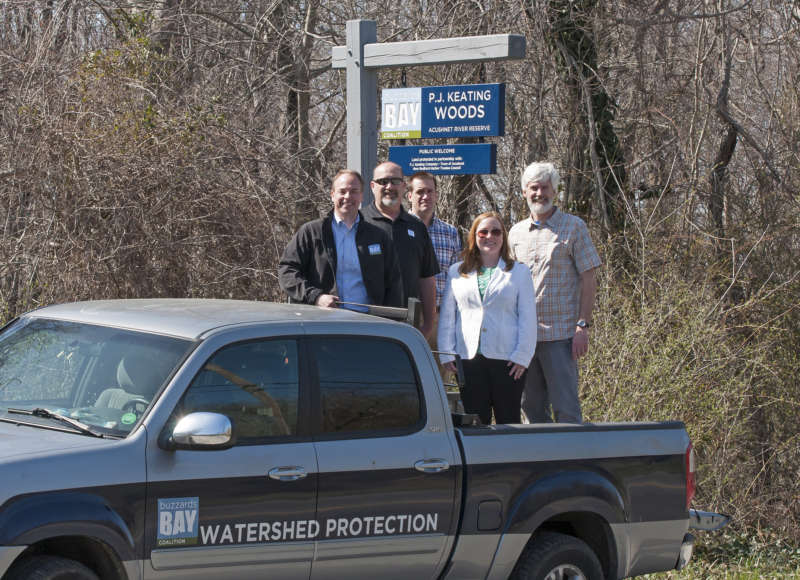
<point x="191" y="318"/>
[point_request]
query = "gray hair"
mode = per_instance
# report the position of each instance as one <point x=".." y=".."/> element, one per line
<point x="539" y="171"/>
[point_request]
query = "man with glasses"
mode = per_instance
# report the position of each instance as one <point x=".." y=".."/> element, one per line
<point x="557" y="248"/>
<point x="342" y="258"/>
<point x="418" y="263"/>
<point x="446" y="242"/>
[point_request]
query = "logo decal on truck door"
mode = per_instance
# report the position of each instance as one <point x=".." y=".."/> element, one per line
<point x="178" y="521"/>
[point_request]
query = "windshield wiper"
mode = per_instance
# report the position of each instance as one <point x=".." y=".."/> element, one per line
<point x="47" y="414"/>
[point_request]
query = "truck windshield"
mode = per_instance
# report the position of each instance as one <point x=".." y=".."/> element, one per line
<point x="103" y="377"/>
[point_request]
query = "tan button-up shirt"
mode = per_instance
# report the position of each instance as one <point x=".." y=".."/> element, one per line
<point x="557" y="251"/>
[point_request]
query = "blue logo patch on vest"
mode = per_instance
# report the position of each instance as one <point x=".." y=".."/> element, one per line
<point x="374" y="249"/>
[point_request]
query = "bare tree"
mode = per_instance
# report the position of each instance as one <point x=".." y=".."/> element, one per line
<point x="171" y="148"/>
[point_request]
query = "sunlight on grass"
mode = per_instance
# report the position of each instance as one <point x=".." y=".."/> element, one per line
<point x="735" y="556"/>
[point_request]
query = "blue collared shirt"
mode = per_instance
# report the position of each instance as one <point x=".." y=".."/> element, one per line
<point x="349" y="282"/>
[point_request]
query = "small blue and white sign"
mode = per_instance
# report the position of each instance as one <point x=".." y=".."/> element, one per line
<point x="443" y="112"/>
<point x="178" y="521"/>
<point x="467" y="159"/>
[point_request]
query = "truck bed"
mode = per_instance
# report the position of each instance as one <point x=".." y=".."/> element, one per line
<point x="619" y="486"/>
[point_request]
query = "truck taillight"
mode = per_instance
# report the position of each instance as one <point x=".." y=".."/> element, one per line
<point x="691" y="482"/>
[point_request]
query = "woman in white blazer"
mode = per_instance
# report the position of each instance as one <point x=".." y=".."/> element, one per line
<point x="488" y="317"/>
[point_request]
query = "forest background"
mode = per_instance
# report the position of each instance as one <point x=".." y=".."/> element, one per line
<point x="172" y="147"/>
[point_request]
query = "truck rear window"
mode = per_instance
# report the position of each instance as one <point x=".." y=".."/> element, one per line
<point x="366" y="385"/>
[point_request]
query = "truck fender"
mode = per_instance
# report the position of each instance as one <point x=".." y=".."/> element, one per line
<point x="38" y="517"/>
<point x="572" y="491"/>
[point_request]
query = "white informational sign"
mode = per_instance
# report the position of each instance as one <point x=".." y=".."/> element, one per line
<point x="401" y="113"/>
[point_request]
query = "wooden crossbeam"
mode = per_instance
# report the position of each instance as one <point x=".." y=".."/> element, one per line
<point x="436" y="51"/>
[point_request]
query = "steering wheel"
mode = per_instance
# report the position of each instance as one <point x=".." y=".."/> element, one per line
<point x="136" y="405"/>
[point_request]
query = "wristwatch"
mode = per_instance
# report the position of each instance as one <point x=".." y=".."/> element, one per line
<point x="583" y="324"/>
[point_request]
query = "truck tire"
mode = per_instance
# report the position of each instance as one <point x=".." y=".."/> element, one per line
<point x="552" y="556"/>
<point x="50" y="568"/>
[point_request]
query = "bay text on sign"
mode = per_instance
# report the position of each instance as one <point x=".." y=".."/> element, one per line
<point x="443" y="112"/>
<point x="467" y="159"/>
<point x="401" y="111"/>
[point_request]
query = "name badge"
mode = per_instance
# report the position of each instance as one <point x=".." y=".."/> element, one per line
<point x="411" y="233"/>
<point x="374" y="249"/>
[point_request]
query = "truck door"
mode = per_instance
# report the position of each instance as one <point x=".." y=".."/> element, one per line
<point x="387" y="481"/>
<point x="247" y="511"/>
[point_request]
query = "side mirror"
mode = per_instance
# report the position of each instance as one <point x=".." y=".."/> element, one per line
<point x="201" y="431"/>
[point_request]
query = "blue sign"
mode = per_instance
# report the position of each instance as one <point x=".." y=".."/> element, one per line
<point x="468" y="159"/>
<point x="463" y="111"/>
<point x="443" y="112"/>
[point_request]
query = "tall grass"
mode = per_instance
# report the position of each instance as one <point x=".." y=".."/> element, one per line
<point x="672" y="345"/>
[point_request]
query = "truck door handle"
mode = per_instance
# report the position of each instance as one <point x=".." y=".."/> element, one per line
<point x="291" y="473"/>
<point x="431" y="465"/>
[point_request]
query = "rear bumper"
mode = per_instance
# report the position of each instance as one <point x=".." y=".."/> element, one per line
<point x="699" y="520"/>
<point x="707" y="521"/>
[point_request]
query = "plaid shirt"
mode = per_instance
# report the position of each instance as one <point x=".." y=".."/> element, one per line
<point x="447" y="247"/>
<point x="557" y="252"/>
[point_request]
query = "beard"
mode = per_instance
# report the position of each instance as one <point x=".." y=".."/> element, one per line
<point x="390" y="202"/>
<point x="539" y="208"/>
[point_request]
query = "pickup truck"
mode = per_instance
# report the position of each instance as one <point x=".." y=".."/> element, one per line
<point x="213" y="439"/>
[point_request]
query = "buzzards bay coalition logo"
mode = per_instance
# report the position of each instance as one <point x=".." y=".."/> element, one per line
<point x="178" y="521"/>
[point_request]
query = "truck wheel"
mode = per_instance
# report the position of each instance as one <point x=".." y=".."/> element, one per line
<point x="50" y="568"/>
<point x="553" y="556"/>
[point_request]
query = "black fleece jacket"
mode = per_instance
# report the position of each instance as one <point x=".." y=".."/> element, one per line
<point x="308" y="266"/>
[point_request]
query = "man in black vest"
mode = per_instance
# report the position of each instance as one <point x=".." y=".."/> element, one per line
<point x="418" y="264"/>
<point x="342" y="257"/>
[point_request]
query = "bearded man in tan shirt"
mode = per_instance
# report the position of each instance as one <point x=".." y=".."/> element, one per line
<point x="557" y="248"/>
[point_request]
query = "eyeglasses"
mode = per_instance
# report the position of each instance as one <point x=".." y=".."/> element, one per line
<point x="387" y="180"/>
<point x="486" y="233"/>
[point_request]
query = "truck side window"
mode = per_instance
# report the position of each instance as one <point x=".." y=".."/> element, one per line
<point x="255" y="384"/>
<point x="366" y="384"/>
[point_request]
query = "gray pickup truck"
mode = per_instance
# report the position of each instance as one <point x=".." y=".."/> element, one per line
<point x="212" y="439"/>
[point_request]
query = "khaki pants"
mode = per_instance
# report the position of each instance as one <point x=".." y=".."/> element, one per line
<point x="552" y="384"/>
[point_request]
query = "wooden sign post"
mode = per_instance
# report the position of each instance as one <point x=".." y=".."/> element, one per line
<point x="362" y="56"/>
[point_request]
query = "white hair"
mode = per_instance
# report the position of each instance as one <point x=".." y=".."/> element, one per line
<point x="539" y="171"/>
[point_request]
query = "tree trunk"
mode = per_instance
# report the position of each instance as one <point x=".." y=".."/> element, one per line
<point x="595" y="150"/>
<point x="166" y="25"/>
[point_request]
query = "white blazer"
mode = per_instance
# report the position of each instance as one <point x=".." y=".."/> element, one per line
<point x="504" y="322"/>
